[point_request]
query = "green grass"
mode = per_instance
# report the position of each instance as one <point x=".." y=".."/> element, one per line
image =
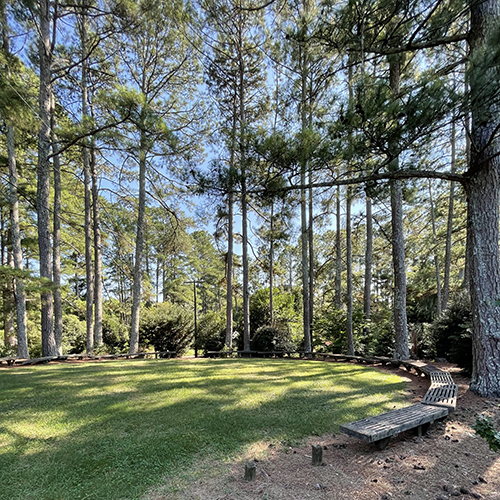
<point x="113" y="430"/>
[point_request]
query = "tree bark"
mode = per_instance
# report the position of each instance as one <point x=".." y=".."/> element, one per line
<point x="43" y="179"/>
<point x="483" y="211"/>
<point x="368" y="260"/>
<point x="15" y="231"/>
<point x="449" y="225"/>
<point x="349" y="329"/>
<point x="244" y="200"/>
<point x="97" y="249"/>
<point x="436" y="256"/>
<point x="9" y="334"/>
<point x="56" y="236"/>
<point x="271" y="270"/>
<point x="338" y="254"/>
<point x="398" y="249"/>
<point x="306" y="320"/>
<point x="310" y="234"/>
<point x="87" y="184"/>
<point x="17" y="253"/>
<point x="139" y="247"/>
<point x="230" y="236"/>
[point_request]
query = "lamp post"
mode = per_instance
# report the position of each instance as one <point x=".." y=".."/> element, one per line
<point x="195" y="282"/>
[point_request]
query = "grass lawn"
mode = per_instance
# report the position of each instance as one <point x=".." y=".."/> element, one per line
<point x="113" y="430"/>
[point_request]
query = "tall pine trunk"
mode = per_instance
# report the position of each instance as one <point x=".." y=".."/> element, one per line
<point x="368" y="260"/>
<point x="43" y="179"/>
<point x="56" y="236"/>
<point x="17" y="253"/>
<point x="398" y="249"/>
<point x="9" y="334"/>
<point x="230" y="234"/>
<point x="483" y="191"/>
<point x="244" y="195"/>
<point x="306" y="320"/>
<point x="338" y="253"/>
<point x="15" y="231"/>
<point x="348" y="229"/>
<point x="449" y="225"/>
<point x="87" y="183"/>
<point x="139" y="246"/>
<point x="271" y="270"/>
<point x="436" y="256"/>
<point x="96" y="222"/>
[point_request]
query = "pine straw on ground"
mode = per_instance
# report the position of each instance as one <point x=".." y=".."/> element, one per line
<point x="450" y="462"/>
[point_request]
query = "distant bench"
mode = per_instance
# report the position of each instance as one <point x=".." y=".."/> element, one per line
<point x="46" y="359"/>
<point x="249" y="354"/>
<point x="438" y="402"/>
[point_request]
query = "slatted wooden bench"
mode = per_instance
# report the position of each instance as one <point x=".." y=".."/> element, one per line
<point x="439" y="400"/>
<point x="379" y="429"/>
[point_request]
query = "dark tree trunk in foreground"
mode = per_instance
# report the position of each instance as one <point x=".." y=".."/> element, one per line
<point x="483" y="191"/>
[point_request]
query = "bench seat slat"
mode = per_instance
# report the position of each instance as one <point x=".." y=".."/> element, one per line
<point x="442" y="395"/>
<point x="441" y="378"/>
<point x="373" y="429"/>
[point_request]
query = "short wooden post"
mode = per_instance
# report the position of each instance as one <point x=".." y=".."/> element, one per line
<point x="250" y="470"/>
<point x="317" y="454"/>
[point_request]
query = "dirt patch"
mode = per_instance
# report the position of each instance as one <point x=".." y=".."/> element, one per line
<point x="449" y="462"/>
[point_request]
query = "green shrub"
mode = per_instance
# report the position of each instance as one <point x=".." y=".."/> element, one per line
<point x="451" y="333"/>
<point x="115" y="334"/>
<point x="267" y="338"/>
<point x="74" y="335"/>
<point x="167" y="327"/>
<point x="211" y="332"/>
<point x="330" y="330"/>
<point x="485" y="428"/>
<point x="286" y="310"/>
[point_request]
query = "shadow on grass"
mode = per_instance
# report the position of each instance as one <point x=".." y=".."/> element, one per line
<point x="112" y="430"/>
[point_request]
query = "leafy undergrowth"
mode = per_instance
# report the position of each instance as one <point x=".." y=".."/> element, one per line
<point x="115" y="429"/>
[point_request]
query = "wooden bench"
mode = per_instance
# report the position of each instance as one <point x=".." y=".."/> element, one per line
<point x="379" y="429"/>
<point x="439" y="400"/>
<point x="9" y="361"/>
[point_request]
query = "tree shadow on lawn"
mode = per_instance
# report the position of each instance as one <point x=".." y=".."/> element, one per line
<point x="114" y="430"/>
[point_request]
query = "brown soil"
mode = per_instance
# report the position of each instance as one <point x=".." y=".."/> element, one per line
<point x="451" y="461"/>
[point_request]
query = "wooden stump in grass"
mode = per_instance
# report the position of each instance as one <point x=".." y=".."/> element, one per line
<point x="317" y="454"/>
<point x="250" y="470"/>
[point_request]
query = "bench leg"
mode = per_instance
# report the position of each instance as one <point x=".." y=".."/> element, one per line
<point x="381" y="444"/>
<point x="422" y="429"/>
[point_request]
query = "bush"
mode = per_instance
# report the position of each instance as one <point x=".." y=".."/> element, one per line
<point x="115" y="334"/>
<point x="211" y="332"/>
<point x="74" y="335"/>
<point x="167" y="327"/>
<point x="451" y="333"/>
<point x="330" y="330"/>
<point x="267" y="338"/>
<point x="287" y="311"/>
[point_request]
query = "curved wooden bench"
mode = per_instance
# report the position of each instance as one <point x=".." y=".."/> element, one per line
<point x="439" y="401"/>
